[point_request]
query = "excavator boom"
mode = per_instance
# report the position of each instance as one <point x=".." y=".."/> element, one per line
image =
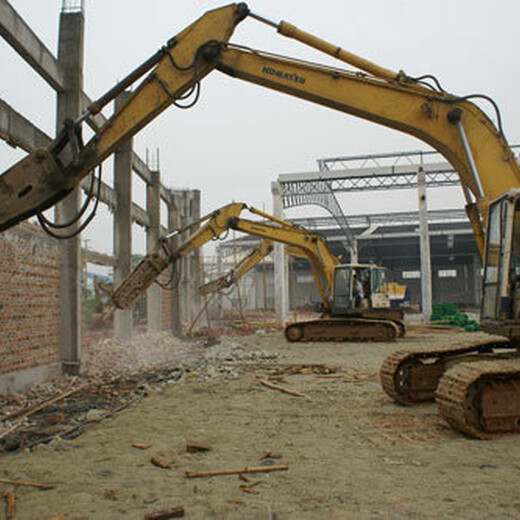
<point x="48" y="175"/>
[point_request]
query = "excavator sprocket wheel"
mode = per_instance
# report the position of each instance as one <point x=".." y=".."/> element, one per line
<point x="481" y="399"/>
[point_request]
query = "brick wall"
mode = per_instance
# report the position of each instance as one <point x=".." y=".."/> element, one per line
<point x="29" y="299"/>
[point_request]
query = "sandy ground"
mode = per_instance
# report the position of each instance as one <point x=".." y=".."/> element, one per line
<point x="351" y="452"/>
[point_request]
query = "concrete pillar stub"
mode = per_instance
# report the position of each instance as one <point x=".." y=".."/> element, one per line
<point x="123" y="225"/>
<point x="426" y="270"/>
<point x="153" y="207"/>
<point x="281" y="299"/>
<point x="70" y="60"/>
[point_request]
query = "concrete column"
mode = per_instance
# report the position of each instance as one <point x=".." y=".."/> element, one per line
<point x="426" y="268"/>
<point x="70" y="60"/>
<point x="184" y="264"/>
<point x="281" y="300"/>
<point x="354" y="251"/>
<point x="173" y="224"/>
<point x="123" y="225"/>
<point x="220" y="271"/>
<point x="196" y="256"/>
<point x="153" y="207"/>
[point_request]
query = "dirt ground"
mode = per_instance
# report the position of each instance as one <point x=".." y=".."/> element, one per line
<point x="350" y="451"/>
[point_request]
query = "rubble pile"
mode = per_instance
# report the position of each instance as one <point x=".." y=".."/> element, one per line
<point x="115" y="374"/>
<point x="112" y="357"/>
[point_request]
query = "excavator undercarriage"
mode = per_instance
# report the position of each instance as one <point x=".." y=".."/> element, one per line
<point x="381" y="325"/>
<point x="342" y="329"/>
<point x="476" y="386"/>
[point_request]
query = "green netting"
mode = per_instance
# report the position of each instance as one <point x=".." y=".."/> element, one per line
<point x="447" y="314"/>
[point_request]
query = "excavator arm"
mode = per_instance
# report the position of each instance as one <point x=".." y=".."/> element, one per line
<point x="241" y="268"/>
<point x="153" y="264"/>
<point x="311" y="245"/>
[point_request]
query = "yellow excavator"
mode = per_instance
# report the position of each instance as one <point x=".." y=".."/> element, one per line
<point x="375" y="290"/>
<point x="103" y="310"/>
<point x="342" y="319"/>
<point x="480" y="398"/>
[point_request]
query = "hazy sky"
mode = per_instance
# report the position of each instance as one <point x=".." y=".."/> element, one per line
<point x="239" y="137"/>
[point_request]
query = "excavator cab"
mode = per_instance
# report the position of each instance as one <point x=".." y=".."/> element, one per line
<point x="342" y="289"/>
<point x="358" y="286"/>
<point x="501" y="285"/>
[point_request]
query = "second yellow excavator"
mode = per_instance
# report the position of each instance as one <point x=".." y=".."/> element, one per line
<point x="348" y="312"/>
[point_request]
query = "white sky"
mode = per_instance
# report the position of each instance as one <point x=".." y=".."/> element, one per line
<point x="239" y="137"/>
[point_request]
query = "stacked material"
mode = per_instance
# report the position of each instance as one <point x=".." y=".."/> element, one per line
<point x="446" y="314"/>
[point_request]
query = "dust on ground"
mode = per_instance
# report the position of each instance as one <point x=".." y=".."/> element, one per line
<point x="351" y="452"/>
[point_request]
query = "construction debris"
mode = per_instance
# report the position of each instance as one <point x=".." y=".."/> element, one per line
<point x="112" y="357"/>
<point x="141" y="446"/>
<point x="196" y="448"/>
<point x="258" y="469"/>
<point x="160" y="463"/>
<point x="271" y="455"/>
<point x="313" y="368"/>
<point x="117" y="373"/>
<point x="282" y="389"/>
<point x="176" y="512"/>
<point x="37" y="408"/>
<point x="9" y="498"/>
<point x="23" y="483"/>
<point x="249" y="490"/>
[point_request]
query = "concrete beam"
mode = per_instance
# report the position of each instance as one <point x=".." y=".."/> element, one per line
<point x="25" y="42"/>
<point x="18" y="131"/>
<point x="93" y="257"/>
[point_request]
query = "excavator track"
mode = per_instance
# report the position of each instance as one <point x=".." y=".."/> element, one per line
<point x="343" y="329"/>
<point x="481" y="399"/>
<point x="412" y="376"/>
